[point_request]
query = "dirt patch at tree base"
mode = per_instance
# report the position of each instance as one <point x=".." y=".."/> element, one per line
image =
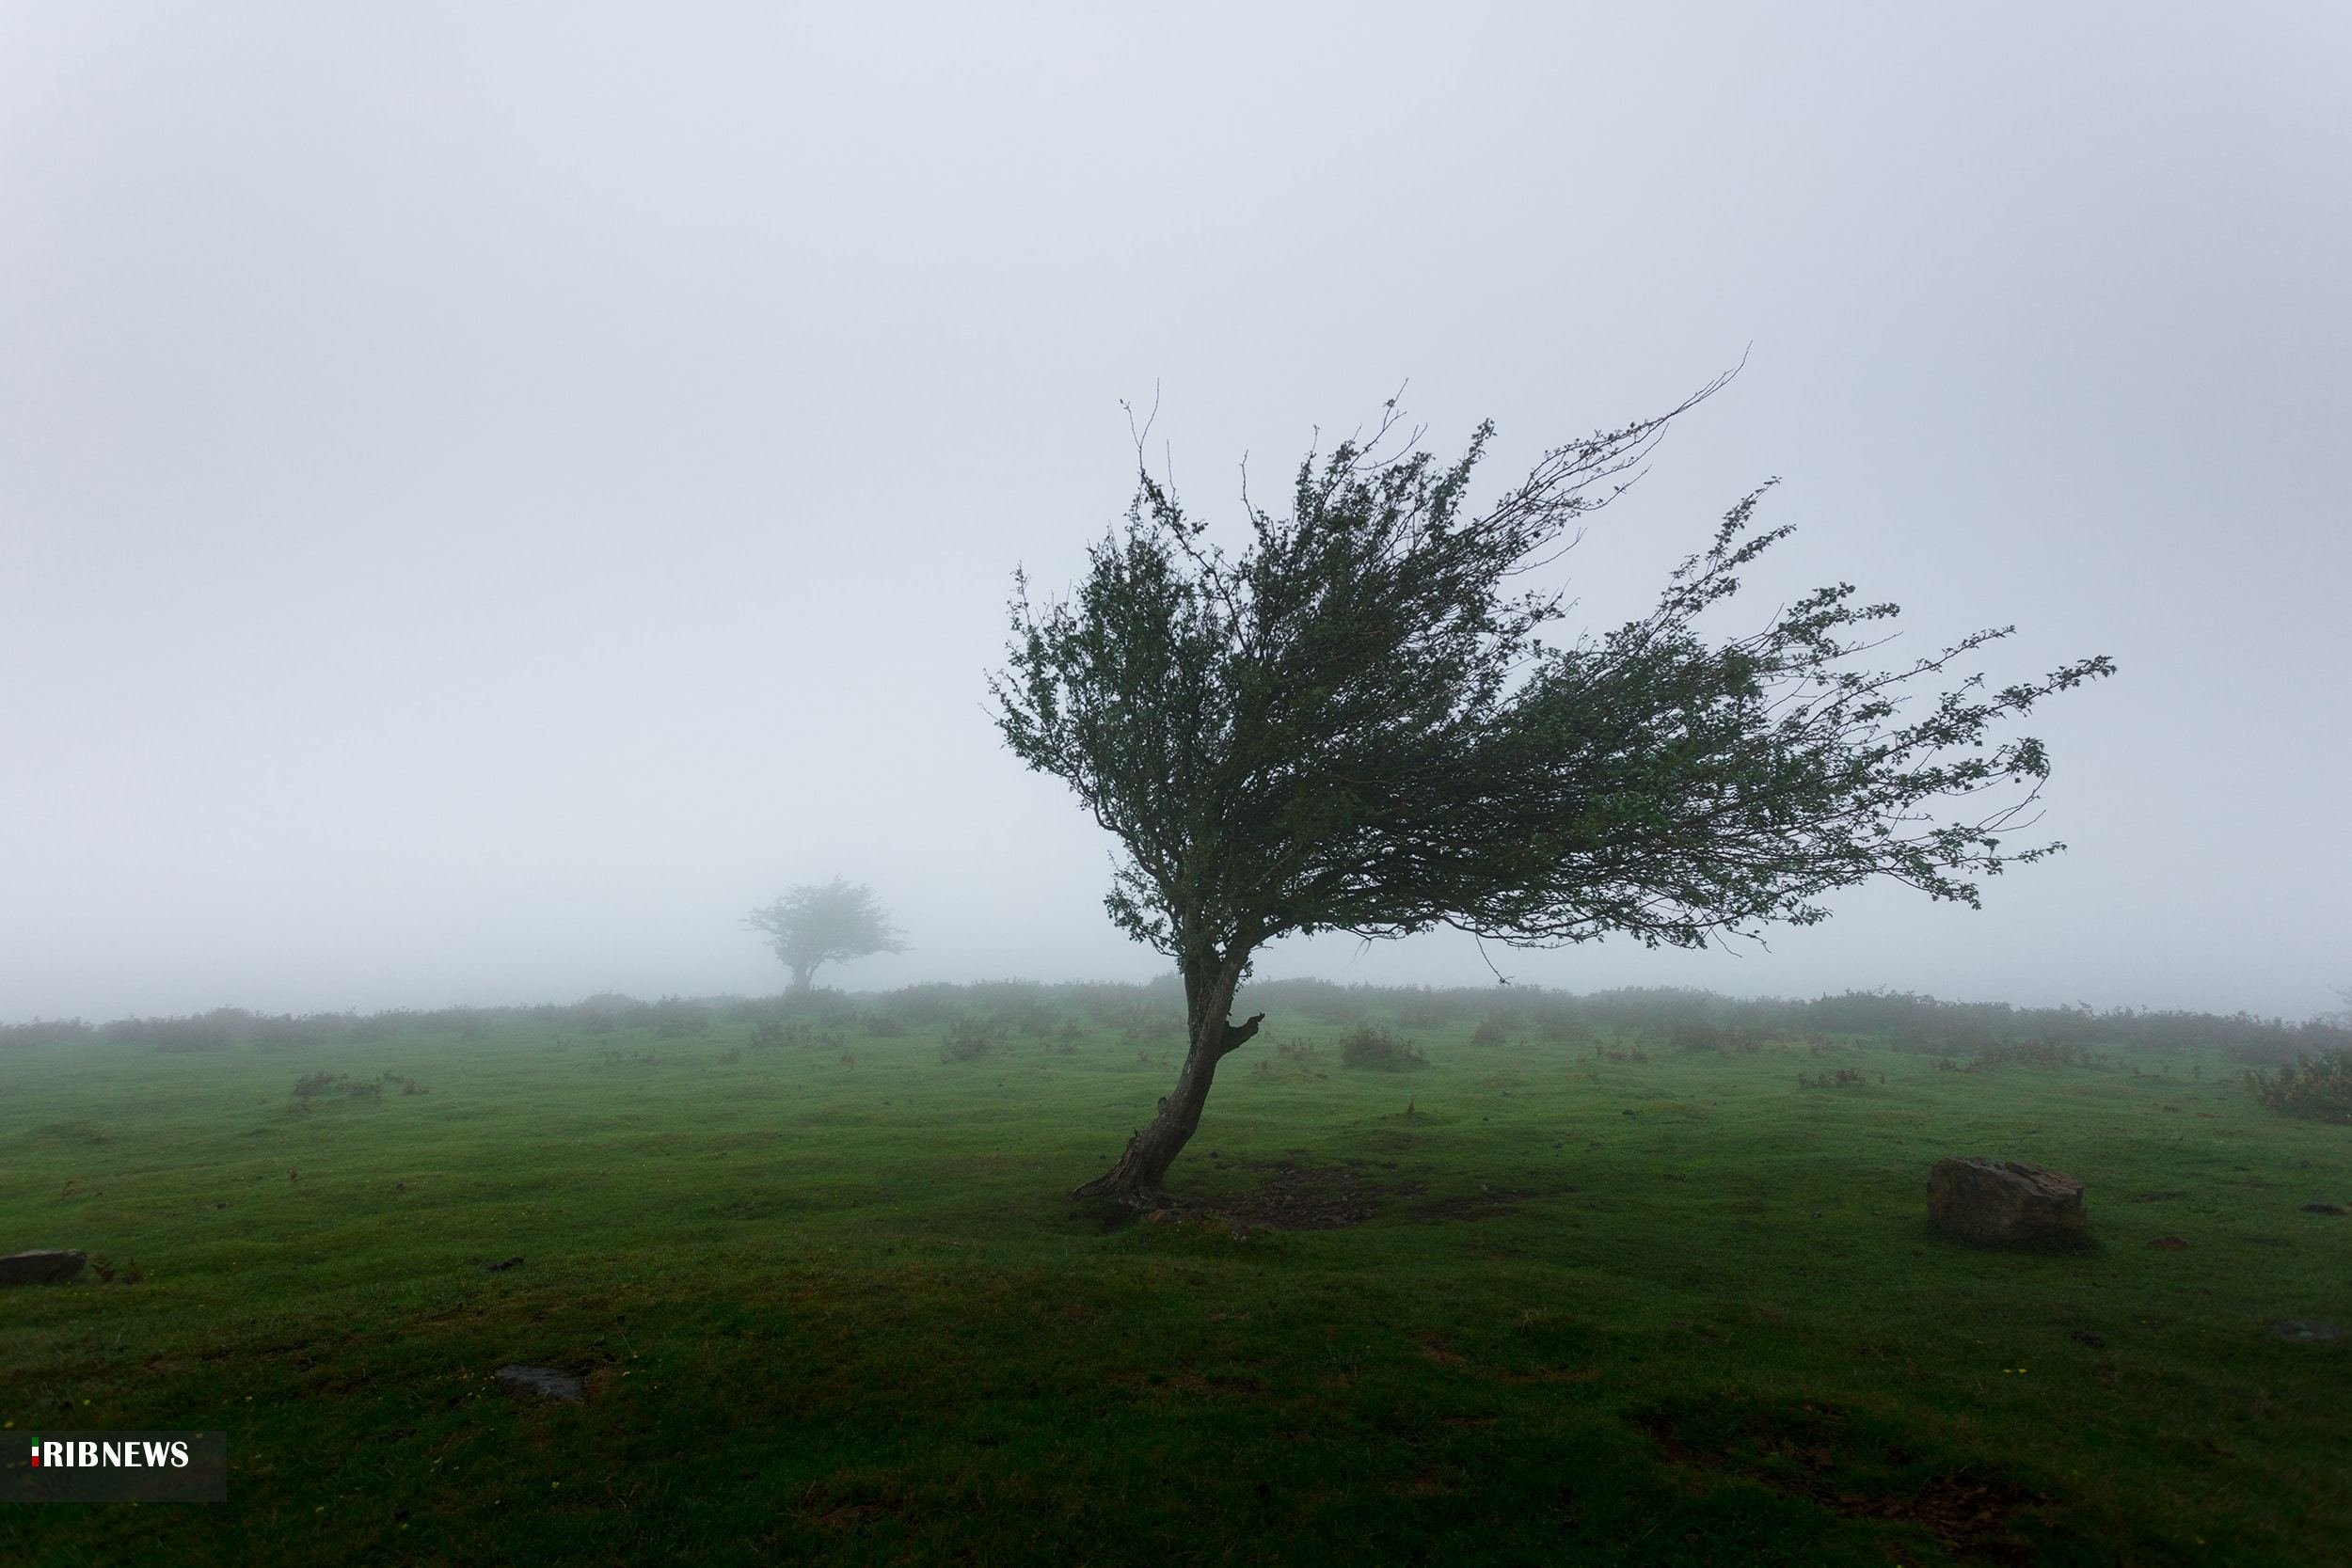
<point x="1292" y="1196"/>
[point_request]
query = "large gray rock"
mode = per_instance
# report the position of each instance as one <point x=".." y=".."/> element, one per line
<point x="542" y="1380"/>
<point x="2003" y="1203"/>
<point x="39" y="1268"/>
<point x="2303" y="1332"/>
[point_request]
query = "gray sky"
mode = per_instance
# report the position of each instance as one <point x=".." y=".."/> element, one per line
<point x="489" y="494"/>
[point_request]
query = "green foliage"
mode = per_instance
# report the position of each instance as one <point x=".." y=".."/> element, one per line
<point x="1356" y="723"/>
<point x="774" y="1035"/>
<point x="971" y="1039"/>
<point x="1379" y="1050"/>
<point x="2040" y="1053"/>
<point x="815" y="924"/>
<point x="2316" y="1087"/>
<point x="309" y="1088"/>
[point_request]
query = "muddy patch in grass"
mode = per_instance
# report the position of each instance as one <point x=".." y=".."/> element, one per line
<point x="1292" y="1196"/>
<point x="847" y="1501"/>
<point x="1842" y="1460"/>
<point x="1183" y="1381"/>
<point x="1473" y="1206"/>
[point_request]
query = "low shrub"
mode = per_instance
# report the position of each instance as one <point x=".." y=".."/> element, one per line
<point x="2316" y="1087"/>
<point x="2039" y="1053"/>
<point x="675" y="1018"/>
<point x="971" y="1039"/>
<point x="306" y="1089"/>
<point x="1434" y="1010"/>
<point x="773" y="1035"/>
<point x="1379" y="1050"/>
<point x="42" y="1032"/>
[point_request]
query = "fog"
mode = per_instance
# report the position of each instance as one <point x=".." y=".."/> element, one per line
<point x="490" y="495"/>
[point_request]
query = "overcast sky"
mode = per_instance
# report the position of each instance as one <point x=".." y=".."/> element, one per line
<point x="490" y="493"/>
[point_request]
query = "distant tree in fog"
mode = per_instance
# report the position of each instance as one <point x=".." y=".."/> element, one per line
<point x="819" y="924"/>
<point x="1354" y="725"/>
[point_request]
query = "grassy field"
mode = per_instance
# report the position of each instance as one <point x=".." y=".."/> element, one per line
<point x="1550" y="1298"/>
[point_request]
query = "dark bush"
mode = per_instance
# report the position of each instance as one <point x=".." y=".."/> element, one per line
<point x="40" y="1032"/>
<point x="970" y="1039"/>
<point x="1434" y="1010"/>
<point x="775" y="1036"/>
<point x="2316" y="1087"/>
<point x="385" y="1025"/>
<point x="288" y="1032"/>
<point x="1697" y="1034"/>
<point x="1380" y="1050"/>
<point x="306" y="1089"/>
<point x="2039" y="1053"/>
<point x="674" y="1016"/>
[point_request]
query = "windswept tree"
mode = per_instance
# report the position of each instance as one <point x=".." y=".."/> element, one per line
<point x="1353" y="722"/>
<point x="819" y="924"/>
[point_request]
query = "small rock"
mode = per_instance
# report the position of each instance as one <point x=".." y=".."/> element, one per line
<point x="508" y="1263"/>
<point x="2322" y="1209"/>
<point x="2004" y="1202"/>
<point x="543" y="1380"/>
<point x="40" y="1268"/>
<point x="2305" y="1332"/>
<point x="2168" y="1243"/>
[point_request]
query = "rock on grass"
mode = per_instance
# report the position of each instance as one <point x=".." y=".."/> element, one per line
<point x="40" y="1268"/>
<point x="543" y="1380"/>
<point x="2005" y="1203"/>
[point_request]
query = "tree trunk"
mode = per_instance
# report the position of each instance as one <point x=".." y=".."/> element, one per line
<point x="1209" y="986"/>
<point x="801" y="974"/>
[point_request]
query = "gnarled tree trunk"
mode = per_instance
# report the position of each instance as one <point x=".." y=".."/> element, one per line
<point x="1209" y="986"/>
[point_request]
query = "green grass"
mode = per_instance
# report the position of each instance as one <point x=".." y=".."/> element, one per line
<point x="1673" y="1310"/>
